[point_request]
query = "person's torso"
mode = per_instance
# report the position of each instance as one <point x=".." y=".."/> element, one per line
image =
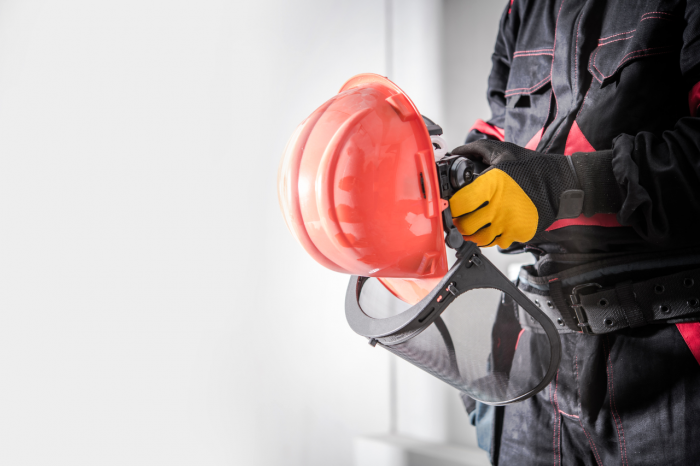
<point x="583" y="73"/>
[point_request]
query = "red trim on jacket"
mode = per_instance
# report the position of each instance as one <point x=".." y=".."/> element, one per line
<point x="532" y="144"/>
<point x="576" y="142"/>
<point x="691" y="334"/>
<point x="598" y="220"/>
<point x="489" y="130"/>
<point x="694" y="99"/>
<point x="518" y="340"/>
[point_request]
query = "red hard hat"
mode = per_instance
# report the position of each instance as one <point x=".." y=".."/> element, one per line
<point x="358" y="188"/>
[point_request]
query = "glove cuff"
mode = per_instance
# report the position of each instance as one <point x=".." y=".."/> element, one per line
<point x="595" y="176"/>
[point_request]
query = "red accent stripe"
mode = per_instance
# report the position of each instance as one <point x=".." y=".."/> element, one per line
<point x="598" y="220"/>
<point x="488" y="129"/>
<point x="518" y="340"/>
<point x="694" y="99"/>
<point x="691" y="334"/>
<point x="532" y="144"/>
<point x="576" y="141"/>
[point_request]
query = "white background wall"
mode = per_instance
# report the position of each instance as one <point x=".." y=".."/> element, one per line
<point x="153" y="307"/>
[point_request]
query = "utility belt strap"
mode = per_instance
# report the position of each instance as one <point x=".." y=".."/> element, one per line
<point x="593" y="309"/>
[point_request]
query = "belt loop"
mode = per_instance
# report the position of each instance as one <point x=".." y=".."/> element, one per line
<point x="625" y="296"/>
<point x="566" y="312"/>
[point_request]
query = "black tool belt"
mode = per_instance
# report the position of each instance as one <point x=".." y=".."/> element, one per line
<point x="612" y="294"/>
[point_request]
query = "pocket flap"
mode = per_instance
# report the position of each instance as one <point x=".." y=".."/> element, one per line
<point x="654" y="35"/>
<point x="529" y="73"/>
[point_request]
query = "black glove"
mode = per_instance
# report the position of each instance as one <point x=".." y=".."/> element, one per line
<point x="524" y="192"/>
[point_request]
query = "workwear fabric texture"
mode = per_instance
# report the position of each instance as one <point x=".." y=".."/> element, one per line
<point x="520" y="194"/>
<point x="597" y="76"/>
<point x="625" y="398"/>
<point x="607" y="75"/>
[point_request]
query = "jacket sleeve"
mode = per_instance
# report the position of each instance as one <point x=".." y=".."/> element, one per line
<point x="659" y="175"/>
<point x="498" y="79"/>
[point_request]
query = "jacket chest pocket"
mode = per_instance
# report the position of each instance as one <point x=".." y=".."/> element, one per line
<point x="654" y="45"/>
<point x="528" y="95"/>
<point x="637" y="83"/>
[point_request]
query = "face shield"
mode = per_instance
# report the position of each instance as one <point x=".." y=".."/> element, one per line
<point x="466" y="331"/>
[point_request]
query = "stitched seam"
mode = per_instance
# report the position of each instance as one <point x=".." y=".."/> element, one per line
<point x="526" y="88"/>
<point x="583" y="103"/>
<point x="607" y="373"/>
<point x="533" y="54"/>
<point x="556" y="400"/>
<point x="556" y="101"/>
<point x="613" y="406"/>
<point x="612" y="393"/>
<point x="531" y="89"/>
<point x="615" y="35"/>
<point x="598" y="461"/>
<point x="638" y="56"/>
<point x="554" y="426"/>
<point x="614" y="40"/>
<point x="555" y="117"/>
<point x="578" y="32"/>
<point x="568" y="415"/>
<point x="534" y="50"/>
<point x="549" y="107"/>
<point x="657" y="13"/>
<point x="625" y="59"/>
<point x="595" y="57"/>
<point x="592" y="62"/>
<point x="644" y="50"/>
<point x="591" y="443"/>
<point x="655" y="17"/>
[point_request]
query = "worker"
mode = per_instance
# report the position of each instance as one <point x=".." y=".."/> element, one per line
<point x="594" y="154"/>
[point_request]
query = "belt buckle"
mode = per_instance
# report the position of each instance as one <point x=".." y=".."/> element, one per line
<point x="578" y="307"/>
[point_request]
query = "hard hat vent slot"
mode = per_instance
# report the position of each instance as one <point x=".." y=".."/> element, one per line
<point x="403" y="107"/>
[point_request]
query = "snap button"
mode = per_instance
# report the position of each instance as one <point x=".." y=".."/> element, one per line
<point x="609" y="322"/>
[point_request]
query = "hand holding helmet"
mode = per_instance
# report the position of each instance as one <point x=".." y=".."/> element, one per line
<point x="524" y="192"/>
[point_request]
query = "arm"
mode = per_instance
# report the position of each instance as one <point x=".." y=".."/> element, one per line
<point x="659" y="174"/>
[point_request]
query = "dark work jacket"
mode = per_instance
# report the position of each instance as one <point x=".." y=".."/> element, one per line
<point x="578" y="76"/>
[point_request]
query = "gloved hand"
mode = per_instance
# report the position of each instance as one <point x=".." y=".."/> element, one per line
<point x="523" y="192"/>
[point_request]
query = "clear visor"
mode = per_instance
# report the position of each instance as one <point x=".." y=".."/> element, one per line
<point x="483" y="343"/>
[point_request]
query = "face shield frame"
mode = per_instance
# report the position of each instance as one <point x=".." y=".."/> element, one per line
<point x="471" y="271"/>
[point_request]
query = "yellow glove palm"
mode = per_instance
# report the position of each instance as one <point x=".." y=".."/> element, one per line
<point x="494" y="210"/>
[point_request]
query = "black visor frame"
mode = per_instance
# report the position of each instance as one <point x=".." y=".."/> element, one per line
<point x="471" y="271"/>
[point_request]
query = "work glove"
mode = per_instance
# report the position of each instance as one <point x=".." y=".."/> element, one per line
<point x="523" y="192"/>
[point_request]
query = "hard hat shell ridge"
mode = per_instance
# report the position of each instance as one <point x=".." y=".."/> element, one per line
<point x="358" y="185"/>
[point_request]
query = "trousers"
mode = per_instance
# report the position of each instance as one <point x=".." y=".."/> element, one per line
<point x="625" y="398"/>
<point x="630" y="397"/>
